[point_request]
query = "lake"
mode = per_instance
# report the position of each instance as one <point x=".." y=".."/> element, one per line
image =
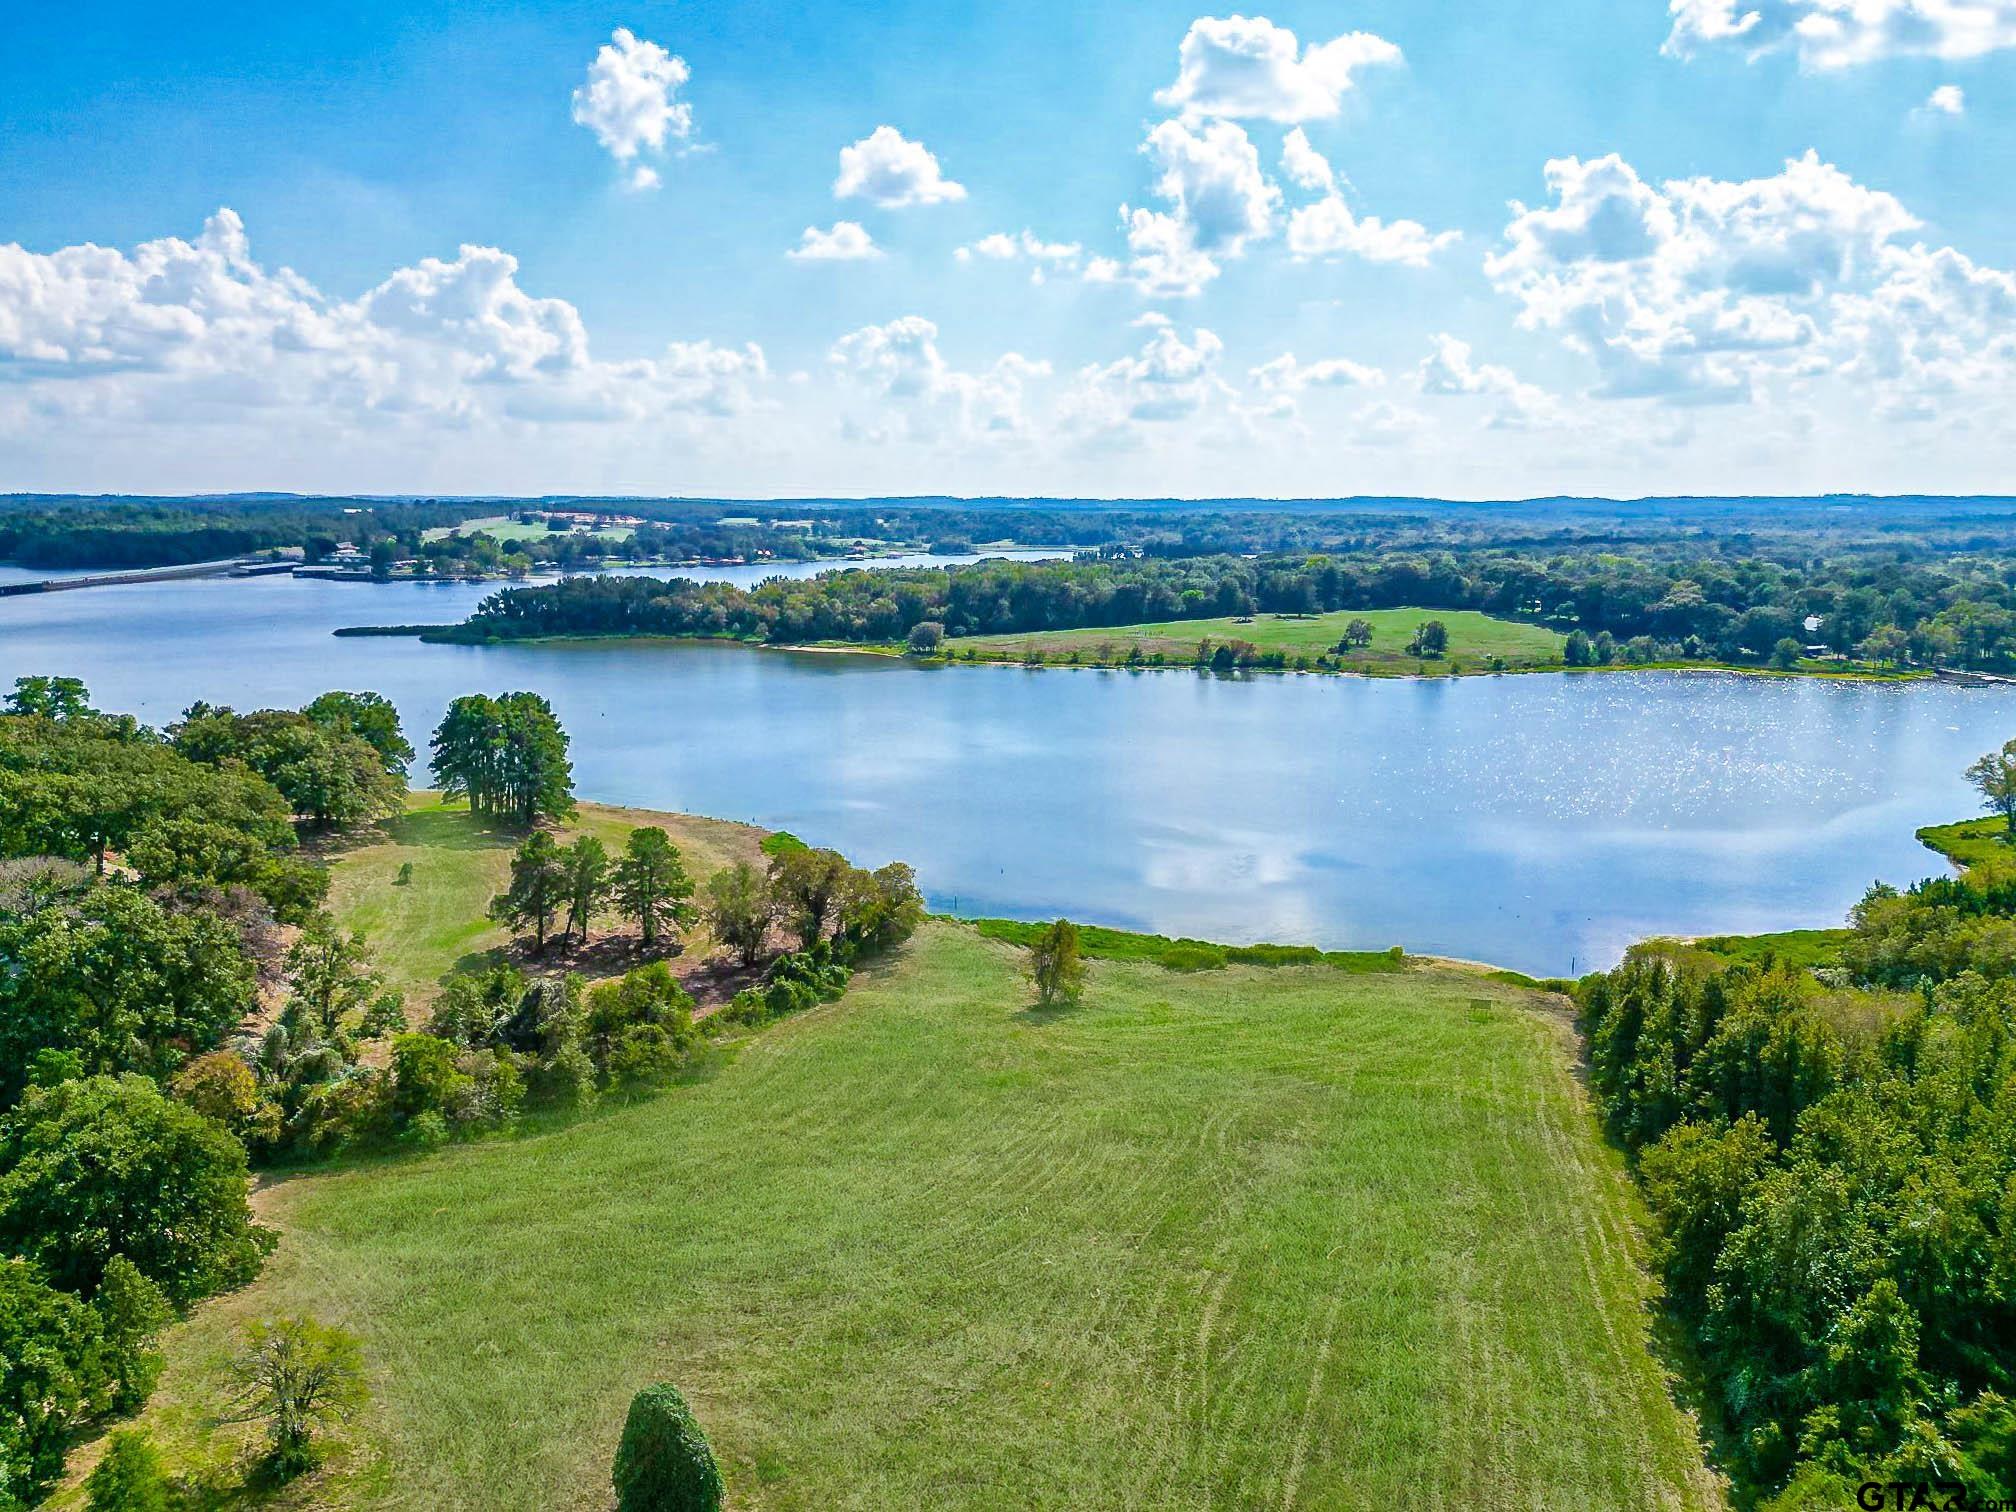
<point x="1541" y="822"/>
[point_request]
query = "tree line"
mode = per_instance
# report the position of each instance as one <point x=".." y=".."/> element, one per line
<point x="1698" y="605"/>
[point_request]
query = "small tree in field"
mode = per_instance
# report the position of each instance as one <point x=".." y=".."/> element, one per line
<point x="651" y="883"/>
<point x="1056" y="966"/>
<point x="295" y="1375"/>
<point x="1431" y="638"/>
<point x="1357" y="635"/>
<point x="926" y="637"/>
<point x="738" y="910"/>
<point x="538" y="887"/>
<point x="664" y="1463"/>
<point x="1995" y="776"/>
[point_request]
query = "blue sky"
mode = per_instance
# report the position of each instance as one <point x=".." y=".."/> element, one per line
<point x="1669" y="307"/>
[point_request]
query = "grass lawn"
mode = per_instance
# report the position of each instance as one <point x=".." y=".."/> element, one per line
<point x="506" y="531"/>
<point x="418" y="932"/>
<point x="1473" y="639"/>
<point x="1258" y="1236"/>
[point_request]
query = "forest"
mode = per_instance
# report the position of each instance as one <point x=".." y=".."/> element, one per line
<point x="1829" y="1156"/>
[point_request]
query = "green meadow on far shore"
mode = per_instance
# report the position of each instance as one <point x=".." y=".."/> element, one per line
<point x="1477" y="642"/>
<point x="1273" y="1227"/>
<point x="507" y="531"/>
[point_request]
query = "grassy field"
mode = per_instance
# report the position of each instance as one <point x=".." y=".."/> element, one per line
<point x="506" y="531"/>
<point x="1971" y="842"/>
<point x="1258" y="1236"/>
<point x="420" y="931"/>
<point x="1805" y="948"/>
<point x="1474" y="639"/>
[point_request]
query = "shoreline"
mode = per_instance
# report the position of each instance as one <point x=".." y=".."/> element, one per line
<point x="437" y="635"/>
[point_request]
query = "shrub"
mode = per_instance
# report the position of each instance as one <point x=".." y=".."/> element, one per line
<point x="1056" y="965"/>
<point x="133" y="1312"/>
<point x="566" y="1079"/>
<point x="663" y="1463"/>
<point x="52" y="1377"/>
<point x="128" y="1478"/>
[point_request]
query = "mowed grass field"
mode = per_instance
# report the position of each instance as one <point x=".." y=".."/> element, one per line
<point x="1252" y="1237"/>
<point x="506" y="531"/>
<point x="1474" y="639"/>
<point x="420" y="931"/>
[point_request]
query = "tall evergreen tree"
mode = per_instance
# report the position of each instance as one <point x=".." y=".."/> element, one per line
<point x="588" y="882"/>
<point x="538" y="888"/>
<point x="651" y="883"/>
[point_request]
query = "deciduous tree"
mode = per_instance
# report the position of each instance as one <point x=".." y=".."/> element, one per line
<point x="295" y="1375"/>
<point x="738" y="910"/>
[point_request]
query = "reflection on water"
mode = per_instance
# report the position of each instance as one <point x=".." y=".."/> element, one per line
<point x="1537" y="821"/>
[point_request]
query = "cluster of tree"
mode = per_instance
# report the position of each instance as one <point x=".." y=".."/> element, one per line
<point x="339" y="762"/>
<point x="479" y="554"/>
<point x="1829" y="1159"/>
<point x="831" y="912"/>
<point x="571" y="885"/>
<point x="835" y="914"/>
<point x="76" y="784"/>
<point x="507" y="756"/>
<point x="143" y="880"/>
<point x="1660" y="605"/>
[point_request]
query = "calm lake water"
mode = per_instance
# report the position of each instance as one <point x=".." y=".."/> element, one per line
<point x="1541" y="822"/>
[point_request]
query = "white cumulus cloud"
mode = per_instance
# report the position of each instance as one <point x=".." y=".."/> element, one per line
<point x="888" y="169"/>
<point x="1171" y="379"/>
<point x="1286" y="375"/>
<point x="188" y="331"/>
<point x="1043" y="258"/>
<point x="846" y="241"/>
<point x="1305" y="166"/>
<point x="900" y="363"/>
<point x="628" y="101"/>
<point x="1829" y="34"/>
<point x="1449" y="370"/>
<point x="1219" y="201"/>
<point x="1330" y="228"/>
<point x="1242" y="67"/>
<point x="1701" y="290"/>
